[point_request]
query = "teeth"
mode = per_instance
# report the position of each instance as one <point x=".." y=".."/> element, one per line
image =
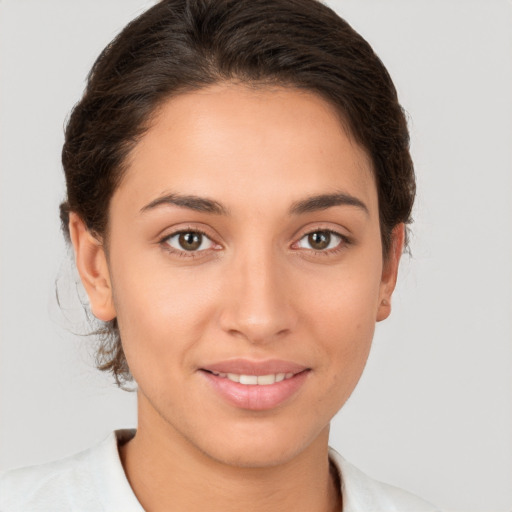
<point x="264" y="380"/>
<point x="248" y="379"/>
<point x="252" y="380"/>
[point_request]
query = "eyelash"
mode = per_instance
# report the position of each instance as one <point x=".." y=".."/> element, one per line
<point x="164" y="242"/>
<point x="184" y="254"/>
<point x="344" y="241"/>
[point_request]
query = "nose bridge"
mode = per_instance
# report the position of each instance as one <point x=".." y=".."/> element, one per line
<point x="257" y="308"/>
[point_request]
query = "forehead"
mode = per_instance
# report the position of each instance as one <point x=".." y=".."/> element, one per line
<point x="243" y="144"/>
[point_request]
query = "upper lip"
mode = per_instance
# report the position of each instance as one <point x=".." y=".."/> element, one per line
<point x="251" y="367"/>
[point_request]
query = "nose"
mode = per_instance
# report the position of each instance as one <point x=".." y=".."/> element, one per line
<point x="257" y="304"/>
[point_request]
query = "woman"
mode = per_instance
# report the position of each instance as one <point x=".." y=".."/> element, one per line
<point x="238" y="182"/>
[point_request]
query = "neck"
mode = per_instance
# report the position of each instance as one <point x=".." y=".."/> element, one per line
<point x="167" y="473"/>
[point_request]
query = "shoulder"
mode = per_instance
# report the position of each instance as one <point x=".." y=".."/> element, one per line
<point x="82" y="482"/>
<point x="362" y="493"/>
<point x="51" y="486"/>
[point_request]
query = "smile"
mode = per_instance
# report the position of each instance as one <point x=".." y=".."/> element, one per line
<point x="255" y="385"/>
<point x="255" y="380"/>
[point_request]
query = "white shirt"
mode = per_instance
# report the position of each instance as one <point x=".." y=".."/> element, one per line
<point x="94" y="480"/>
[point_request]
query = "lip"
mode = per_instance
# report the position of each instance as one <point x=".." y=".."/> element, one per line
<point x="248" y="367"/>
<point x="255" y="397"/>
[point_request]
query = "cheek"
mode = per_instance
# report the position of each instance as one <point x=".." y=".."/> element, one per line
<point x="161" y="314"/>
<point x="345" y="328"/>
<point x="344" y="302"/>
<point x="340" y="317"/>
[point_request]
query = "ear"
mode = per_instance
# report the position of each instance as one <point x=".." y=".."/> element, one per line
<point x="390" y="272"/>
<point x="91" y="262"/>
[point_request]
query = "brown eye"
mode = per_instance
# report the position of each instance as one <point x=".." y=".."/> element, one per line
<point x="189" y="241"/>
<point x="320" y="240"/>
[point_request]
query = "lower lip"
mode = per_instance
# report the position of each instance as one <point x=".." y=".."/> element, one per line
<point x="256" y="397"/>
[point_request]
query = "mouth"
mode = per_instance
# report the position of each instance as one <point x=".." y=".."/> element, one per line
<point x="255" y="385"/>
<point x="254" y="380"/>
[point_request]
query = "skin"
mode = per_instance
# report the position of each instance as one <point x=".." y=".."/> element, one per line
<point x="257" y="291"/>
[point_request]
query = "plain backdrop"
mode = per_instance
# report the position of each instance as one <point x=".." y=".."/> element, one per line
<point x="432" y="412"/>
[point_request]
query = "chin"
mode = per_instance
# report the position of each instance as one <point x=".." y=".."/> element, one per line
<point x="260" y="445"/>
<point x="254" y="455"/>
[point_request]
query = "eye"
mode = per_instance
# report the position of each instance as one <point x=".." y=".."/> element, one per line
<point x="189" y="241"/>
<point x="321" y="240"/>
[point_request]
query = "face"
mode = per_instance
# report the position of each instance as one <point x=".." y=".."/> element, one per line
<point x="245" y="270"/>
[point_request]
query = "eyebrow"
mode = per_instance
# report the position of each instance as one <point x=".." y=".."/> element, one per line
<point x="199" y="204"/>
<point x="324" y="201"/>
<point x="308" y="205"/>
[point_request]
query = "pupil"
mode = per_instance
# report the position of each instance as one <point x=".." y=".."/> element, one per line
<point x="319" y="240"/>
<point x="190" y="241"/>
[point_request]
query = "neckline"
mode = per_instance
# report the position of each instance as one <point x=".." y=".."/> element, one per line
<point x="122" y="436"/>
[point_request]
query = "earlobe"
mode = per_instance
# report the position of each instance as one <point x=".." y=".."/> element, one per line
<point x="390" y="272"/>
<point x="91" y="262"/>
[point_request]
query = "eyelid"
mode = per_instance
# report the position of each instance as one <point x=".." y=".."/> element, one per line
<point x="344" y="240"/>
<point x="322" y="226"/>
<point x="204" y="238"/>
<point x="304" y="232"/>
<point x="163" y="241"/>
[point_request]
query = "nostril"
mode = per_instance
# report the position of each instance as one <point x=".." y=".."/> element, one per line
<point x="258" y="313"/>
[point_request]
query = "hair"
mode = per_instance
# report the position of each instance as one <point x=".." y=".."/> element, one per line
<point x="179" y="46"/>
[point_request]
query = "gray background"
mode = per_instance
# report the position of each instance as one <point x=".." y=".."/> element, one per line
<point x="432" y="412"/>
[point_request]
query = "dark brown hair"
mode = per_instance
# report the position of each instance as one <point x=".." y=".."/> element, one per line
<point x="183" y="45"/>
